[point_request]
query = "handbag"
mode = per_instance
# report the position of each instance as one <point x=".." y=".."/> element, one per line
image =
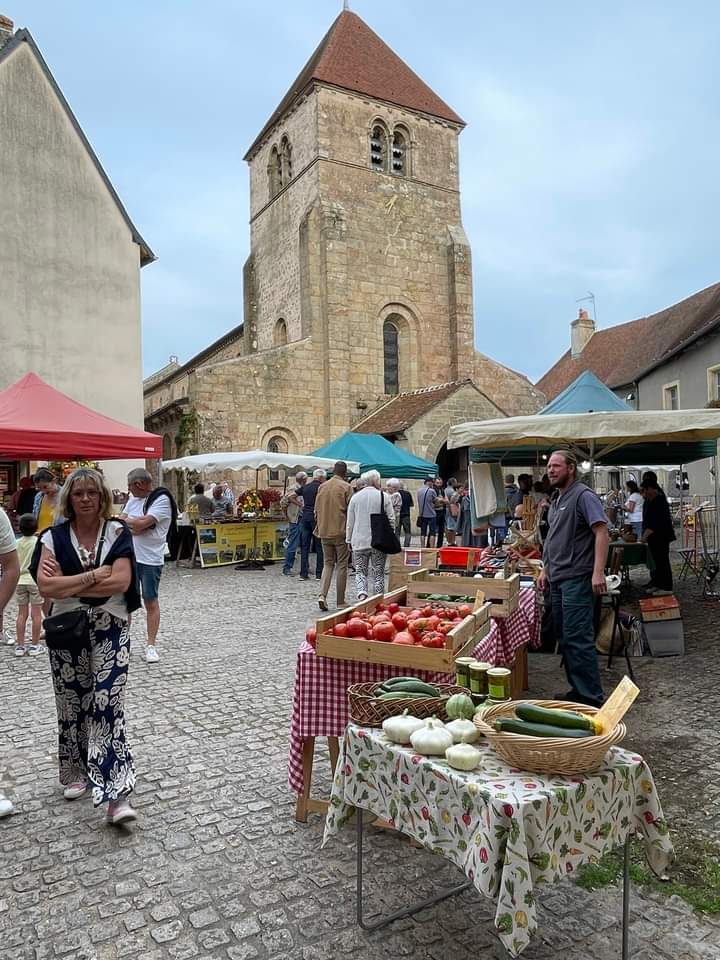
<point x="71" y="630"/>
<point x="383" y="536"/>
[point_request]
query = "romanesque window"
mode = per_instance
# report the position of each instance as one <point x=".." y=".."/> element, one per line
<point x="276" y="445"/>
<point x="167" y="447"/>
<point x="285" y="161"/>
<point x="280" y="335"/>
<point x="399" y="159"/>
<point x="391" y="357"/>
<point x="274" y="173"/>
<point x="379" y="148"/>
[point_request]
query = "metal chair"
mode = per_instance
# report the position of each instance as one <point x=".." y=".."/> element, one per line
<point x="690" y="561"/>
<point x="709" y="566"/>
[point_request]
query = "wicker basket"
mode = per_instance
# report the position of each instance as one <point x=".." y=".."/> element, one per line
<point x="548" y="754"/>
<point x="366" y="711"/>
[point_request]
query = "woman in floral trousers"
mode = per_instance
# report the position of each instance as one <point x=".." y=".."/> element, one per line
<point x="87" y="562"/>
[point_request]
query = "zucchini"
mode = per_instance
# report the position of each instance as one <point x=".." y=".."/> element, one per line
<point x="507" y="725"/>
<point x="411" y="685"/>
<point x="555" y="718"/>
<point x="399" y="695"/>
<point x="391" y="681"/>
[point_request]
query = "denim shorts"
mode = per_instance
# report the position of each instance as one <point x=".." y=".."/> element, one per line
<point x="149" y="576"/>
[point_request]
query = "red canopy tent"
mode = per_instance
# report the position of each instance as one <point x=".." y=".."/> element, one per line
<point x="38" y="422"/>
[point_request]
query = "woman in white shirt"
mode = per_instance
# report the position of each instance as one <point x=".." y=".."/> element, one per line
<point x="87" y="563"/>
<point x="367" y="560"/>
<point x="634" y="507"/>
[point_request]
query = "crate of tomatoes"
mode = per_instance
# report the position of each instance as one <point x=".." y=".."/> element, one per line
<point x="397" y="630"/>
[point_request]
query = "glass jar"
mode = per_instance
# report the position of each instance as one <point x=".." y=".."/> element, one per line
<point x="462" y="671"/>
<point x="498" y="681"/>
<point x="478" y="677"/>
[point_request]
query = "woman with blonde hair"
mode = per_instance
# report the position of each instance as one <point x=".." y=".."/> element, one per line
<point x="368" y="561"/>
<point x="86" y="565"/>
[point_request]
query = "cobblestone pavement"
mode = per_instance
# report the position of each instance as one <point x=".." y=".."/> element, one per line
<point x="217" y="867"/>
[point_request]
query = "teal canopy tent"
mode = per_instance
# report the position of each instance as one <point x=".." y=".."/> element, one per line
<point x="376" y="453"/>
<point x="585" y="394"/>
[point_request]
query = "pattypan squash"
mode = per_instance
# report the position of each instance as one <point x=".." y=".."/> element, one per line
<point x="463" y="730"/>
<point x="463" y="756"/>
<point x="432" y="740"/>
<point x="399" y="729"/>
<point x="460" y="706"/>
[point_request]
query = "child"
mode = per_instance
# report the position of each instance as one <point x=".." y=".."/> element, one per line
<point x="26" y="592"/>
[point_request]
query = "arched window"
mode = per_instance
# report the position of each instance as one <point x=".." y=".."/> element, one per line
<point x="276" y="445"/>
<point x="379" y="148"/>
<point x="391" y="358"/>
<point x="399" y="162"/>
<point x="274" y="173"/>
<point x="285" y="161"/>
<point x="167" y="447"/>
<point x="280" y="335"/>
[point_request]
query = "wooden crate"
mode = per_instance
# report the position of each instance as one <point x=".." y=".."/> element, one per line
<point x="458" y="643"/>
<point x="399" y="570"/>
<point x="504" y="594"/>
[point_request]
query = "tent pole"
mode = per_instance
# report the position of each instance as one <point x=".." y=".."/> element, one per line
<point x="682" y="527"/>
<point x="717" y="500"/>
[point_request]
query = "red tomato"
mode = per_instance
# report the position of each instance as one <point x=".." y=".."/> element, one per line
<point x="413" y="615"/>
<point x="393" y="607"/>
<point x="417" y="626"/>
<point x="433" y="640"/>
<point x="340" y="630"/>
<point x="400" y="621"/>
<point x="404" y="637"/>
<point x="441" y="613"/>
<point x="427" y="611"/>
<point x="357" y="627"/>
<point x="464" y="610"/>
<point x="379" y="607"/>
<point x="311" y="636"/>
<point x="433" y="622"/>
<point x="384" y="632"/>
<point x="454" y="615"/>
<point x="445" y="626"/>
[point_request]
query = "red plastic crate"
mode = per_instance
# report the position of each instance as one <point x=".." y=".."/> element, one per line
<point x="458" y="556"/>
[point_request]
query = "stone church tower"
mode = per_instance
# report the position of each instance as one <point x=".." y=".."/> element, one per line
<point x="358" y="287"/>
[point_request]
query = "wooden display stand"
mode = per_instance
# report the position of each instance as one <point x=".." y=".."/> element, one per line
<point x="504" y="594"/>
<point x="305" y="803"/>
<point x="458" y="642"/>
<point x="421" y="558"/>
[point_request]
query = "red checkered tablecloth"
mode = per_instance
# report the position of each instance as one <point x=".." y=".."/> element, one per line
<point x="320" y="696"/>
<point x="508" y="634"/>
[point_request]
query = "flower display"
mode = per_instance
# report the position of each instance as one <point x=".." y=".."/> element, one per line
<point x="250" y="502"/>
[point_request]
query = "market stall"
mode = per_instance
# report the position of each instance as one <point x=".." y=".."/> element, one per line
<point x="258" y="533"/>
<point x="374" y="452"/>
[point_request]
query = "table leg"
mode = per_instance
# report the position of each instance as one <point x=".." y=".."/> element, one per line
<point x="334" y="748"/>
<point x="521" y="661"/>
<point x="626" y="898"/>
<point x="301" y="807"/>
<point x="407" y="911"/>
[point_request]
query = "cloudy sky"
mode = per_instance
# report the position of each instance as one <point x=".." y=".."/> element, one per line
<point x="589" y="162"/>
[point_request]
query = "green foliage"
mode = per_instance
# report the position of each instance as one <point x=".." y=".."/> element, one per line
<point x="186" y="434"/>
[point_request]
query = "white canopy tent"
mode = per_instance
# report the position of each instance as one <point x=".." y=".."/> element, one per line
<point x="253" y="460"/>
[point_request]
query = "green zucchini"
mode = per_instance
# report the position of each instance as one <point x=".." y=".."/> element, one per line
<point x="392" y="681"/>
<point x="554" y="718"/>
<point x="399" y="695"/>
<point x="507" y="725"/>
<point x="412" y="685"/>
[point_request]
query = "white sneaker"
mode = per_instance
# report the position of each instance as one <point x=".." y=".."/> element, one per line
<point x="33" y="650"/>
<point x="120" y="811"/>
<point x="19" y="651"/>
<point x="151" y="654"/>
<point x="75" y="790"/>
<point x="7" y="637"/>
<point x="6" y="808"/>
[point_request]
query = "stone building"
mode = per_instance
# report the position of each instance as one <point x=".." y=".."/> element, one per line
<point x="70" y="257"/>
<point x="358" y="287"/>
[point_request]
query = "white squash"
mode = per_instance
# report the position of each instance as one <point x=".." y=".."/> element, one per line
<point x="399" y="729"/>
<point x="463" y="730"/>
<point x="463" y="756"/>
<point x="431" y="740"/>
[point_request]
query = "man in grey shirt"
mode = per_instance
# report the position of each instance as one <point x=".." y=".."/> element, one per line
<point x="427" y="514"/>
<point x="574" y="555"/>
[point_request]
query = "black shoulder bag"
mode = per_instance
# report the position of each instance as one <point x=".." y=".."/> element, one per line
<point x="383" y="535"/>
<point x="71" y="630"/>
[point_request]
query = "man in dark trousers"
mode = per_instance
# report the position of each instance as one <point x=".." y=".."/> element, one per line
<point x="307" y="527"/>
<point x="403" y="524"/>
<point x="658" y="533"/>
<point x="574" y="555"/>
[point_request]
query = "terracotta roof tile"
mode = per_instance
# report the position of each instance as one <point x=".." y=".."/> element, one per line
<point x="621" y="355"/>
<point x="401" y="412"/>
<point x="354" y="57"/>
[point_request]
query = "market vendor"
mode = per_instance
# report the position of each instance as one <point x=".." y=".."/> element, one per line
<point x="574" y="553"/>
<point x="221" y="506"/>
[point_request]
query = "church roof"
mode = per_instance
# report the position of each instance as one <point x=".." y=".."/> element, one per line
<point x="625" y="353"/>
<point x="401" y="412"/>
<point x="24" y="36"/>
<point x="353" y="57"/>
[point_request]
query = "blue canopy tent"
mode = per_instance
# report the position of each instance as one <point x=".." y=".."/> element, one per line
<point x="374" y="452"/>
<point x="585" y="394"/>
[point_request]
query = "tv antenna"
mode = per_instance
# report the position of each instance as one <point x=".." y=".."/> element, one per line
<point x="591" y="297"/>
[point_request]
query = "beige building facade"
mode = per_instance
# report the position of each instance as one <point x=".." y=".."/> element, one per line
<point x="70" y="257"/>
<point x="358" y="287"/>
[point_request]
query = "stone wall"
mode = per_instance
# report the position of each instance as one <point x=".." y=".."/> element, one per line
<point x="426" y="437"/>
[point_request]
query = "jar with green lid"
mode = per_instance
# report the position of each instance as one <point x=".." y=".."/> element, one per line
<point x="478" y="677"/>
<point x="462" y="671"/>
<point x="498" y="680"/>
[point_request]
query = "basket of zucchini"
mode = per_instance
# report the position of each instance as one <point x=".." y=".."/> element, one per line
<point x="548" y="736"/>
<point x="371" y="703"/>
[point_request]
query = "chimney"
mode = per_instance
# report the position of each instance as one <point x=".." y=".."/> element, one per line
<point x="581" y="329"/>
<point x="6" y="30"/>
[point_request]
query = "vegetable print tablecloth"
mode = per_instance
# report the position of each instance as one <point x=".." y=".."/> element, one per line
<point x="508" y="830"/>
<point x="508" y="634"/>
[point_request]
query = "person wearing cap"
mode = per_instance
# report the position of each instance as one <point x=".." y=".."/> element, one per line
<point x="427" y="515"/>
<point x="574" y="554"/>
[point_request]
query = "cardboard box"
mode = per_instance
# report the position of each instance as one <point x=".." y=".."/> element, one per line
<point x="659" y="608"/>
<point x="666" y="638"/>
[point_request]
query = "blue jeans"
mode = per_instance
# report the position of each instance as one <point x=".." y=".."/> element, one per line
<point x="306" y="538"/>
<point x="573" y="603"/>
<point x="291" y="549"/>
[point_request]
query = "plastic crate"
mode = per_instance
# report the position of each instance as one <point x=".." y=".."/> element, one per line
<point x="458" y="556"/>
